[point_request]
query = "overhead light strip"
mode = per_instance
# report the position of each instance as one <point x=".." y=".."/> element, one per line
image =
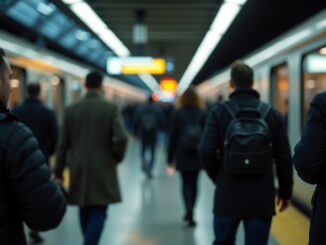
<point x="222" y="21"/>
<point x="95" y="23"/>
<point x="279" y="47"/>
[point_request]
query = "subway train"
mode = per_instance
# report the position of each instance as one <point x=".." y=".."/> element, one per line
<point x="289" y="72"/>
<point x="61" y="78"/>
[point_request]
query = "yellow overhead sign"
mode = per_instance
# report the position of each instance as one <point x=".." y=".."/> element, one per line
<point x="136" y="65"/>
<point x="156" y="66"/>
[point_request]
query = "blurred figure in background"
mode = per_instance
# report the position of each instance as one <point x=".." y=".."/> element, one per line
<point x="149" y="120"/>
<point x="43" y="124"/>
<point x="40" y="119"/>
<point x="27" y="193"/>
<point x="185" y="132"/>
<point x="95" y="140"/>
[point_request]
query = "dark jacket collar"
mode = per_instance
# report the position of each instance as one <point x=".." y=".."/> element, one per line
<point x="93" y="94"/>
<point x="245" y="92"/>
<point x="32" y="100"/>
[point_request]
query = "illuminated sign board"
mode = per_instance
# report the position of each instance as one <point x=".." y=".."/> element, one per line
<point x="138" y="65"/>
<point x="168" y="84"/>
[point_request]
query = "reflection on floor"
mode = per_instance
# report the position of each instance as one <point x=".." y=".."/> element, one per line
<point x="151" y="213"/>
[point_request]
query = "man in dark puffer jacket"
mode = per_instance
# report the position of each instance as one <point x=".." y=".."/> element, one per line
<point x="27" y="194"/>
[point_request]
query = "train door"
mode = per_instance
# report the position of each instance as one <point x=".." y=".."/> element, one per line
<point x="314" y="78"/>
<point x="18" y="86"/>
<point x="280" y="90"/>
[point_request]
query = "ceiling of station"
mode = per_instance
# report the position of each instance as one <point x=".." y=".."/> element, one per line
<point x="175" y="27"/>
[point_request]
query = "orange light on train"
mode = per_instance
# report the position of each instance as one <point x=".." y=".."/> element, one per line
<point x="168" y="84"/>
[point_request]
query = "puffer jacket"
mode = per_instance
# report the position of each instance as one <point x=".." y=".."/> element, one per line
<point x="309" y="161"/>
<point x="27" y="194"/>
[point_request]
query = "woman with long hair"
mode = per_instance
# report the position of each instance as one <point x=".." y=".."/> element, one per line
<point x="185" y="132"/>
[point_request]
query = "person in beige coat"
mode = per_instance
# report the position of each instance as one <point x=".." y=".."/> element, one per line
<point x="91" y="144"/>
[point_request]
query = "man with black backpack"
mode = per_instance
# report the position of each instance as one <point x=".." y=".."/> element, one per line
<point x="242" y="139"/>
<point x="148" y="122"/>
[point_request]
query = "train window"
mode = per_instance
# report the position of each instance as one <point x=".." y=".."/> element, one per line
<point x="280" y="90"/>
<point x="314" y="78"/>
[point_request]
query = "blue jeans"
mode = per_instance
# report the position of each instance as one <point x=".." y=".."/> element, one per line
<point x="148" y="144"/>
<point x="92" y="219"/>
<point x="189" y="188"/>
<point x="256" y="229"/>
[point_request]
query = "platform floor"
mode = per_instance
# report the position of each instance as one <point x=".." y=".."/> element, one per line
<point x="151" y="213"/>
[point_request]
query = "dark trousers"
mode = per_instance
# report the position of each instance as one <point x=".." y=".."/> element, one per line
<point x="92" y="219"/>
<point x="148" y="145"/>
<point x="189" y="188"/>
<point x="256" y="229"/>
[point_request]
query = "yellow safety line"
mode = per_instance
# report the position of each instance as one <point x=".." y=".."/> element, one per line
<point x="290" y="227"/>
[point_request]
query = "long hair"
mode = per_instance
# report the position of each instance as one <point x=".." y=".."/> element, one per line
<point x="189" y="98"/>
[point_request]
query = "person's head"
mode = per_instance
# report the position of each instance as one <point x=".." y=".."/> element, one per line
<point x="242" y="76"/>
<point x="94" y="80"/>
<point x="5" y="75"/>
<point x="190" y="98"/>
<point x="34" y="89"/>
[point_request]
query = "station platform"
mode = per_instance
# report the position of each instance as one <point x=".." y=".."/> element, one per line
<point x="152" y="209"/>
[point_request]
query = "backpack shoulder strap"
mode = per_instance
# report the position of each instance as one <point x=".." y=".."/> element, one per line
<point x="263" y="109"/>
<point x="231" y="107"/>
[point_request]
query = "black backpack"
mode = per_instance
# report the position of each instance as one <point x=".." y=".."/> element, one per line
<point x="149" y="122"/>
<point x="191" y="133"/>
<point x="247" y="145"/>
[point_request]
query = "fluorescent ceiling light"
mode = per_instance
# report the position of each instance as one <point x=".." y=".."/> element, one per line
<point x="114" y="43"/>
<point x="71" y="1"/>
<point x="150" y="82"/>
<point x="239" y="2"/>
<point x="94" y="22"/>
<point x="45" y="9"/>
<point x="321" y="24"/>
<point x="219" y="26"/>
<point x="90" y="18"/>
<point x="82" y="35"/>
<point x="224" y="18"/>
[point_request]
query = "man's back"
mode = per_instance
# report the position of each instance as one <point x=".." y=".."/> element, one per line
<point x="240" y="194"/>
<point x="41" y="121"/>
<point x="95" y="141"/>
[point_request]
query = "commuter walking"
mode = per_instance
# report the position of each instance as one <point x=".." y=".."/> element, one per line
<point x="39" y="119"/>
<point x="309" y="161"/>
<point x="43" y="124"/>
<point x="185" y="132"/>
<point x="149" y="120"/>
<point x="241" y="139"/>
<point x="27" y="193"/>
<point x="93" y="137"/>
